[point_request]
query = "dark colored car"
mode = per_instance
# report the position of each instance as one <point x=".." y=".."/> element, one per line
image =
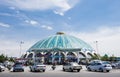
<point x="18" y="68"/>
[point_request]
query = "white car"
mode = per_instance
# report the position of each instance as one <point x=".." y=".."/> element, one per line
<point x="102" y="67"/>
<point x="95" y="61"/>
<point x="72" y="66"/>
<point x="38" y="67"/>
<point x="2" y="68"/>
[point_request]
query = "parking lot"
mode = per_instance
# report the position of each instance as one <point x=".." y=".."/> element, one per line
<point x="59" y="73"/>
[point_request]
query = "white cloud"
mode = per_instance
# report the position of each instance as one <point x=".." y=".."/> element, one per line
<point x="58" y="6"/>
<point x="5" y="14"/>
<point x="32" y="22"/>
<point x="37" y="24"/>
<point x="47" y="27"/>
<point x="108" y="39"/>
<point x="12" y="8"/>
<point x="4" y="25"/>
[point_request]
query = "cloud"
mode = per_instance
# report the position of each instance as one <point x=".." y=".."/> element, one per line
<point x="47" y="27"/>
<point x="4" y="25"/>
<point x="107" y="37"/>
<point x="12" y="8"/>
<point x="58" y="6"/>
<point x="5" y="14"/>
<point x="37" y="24"/>
<point x="32" y="22"/>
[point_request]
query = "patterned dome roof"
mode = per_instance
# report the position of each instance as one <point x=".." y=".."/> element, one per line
<point x="62" y="41"/>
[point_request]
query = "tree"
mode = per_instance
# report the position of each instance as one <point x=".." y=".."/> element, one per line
<point x="112" y="58"/>
<point x="105" y="57"/>
<point x="95" y="57"/>
<point x="11" y="59"/>
<point x="3" y="58"/>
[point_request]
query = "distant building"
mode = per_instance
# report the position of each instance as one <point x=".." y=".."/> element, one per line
<point x="59" y="48"/>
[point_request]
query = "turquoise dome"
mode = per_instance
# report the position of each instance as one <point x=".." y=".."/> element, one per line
<point x="62" y="41"/>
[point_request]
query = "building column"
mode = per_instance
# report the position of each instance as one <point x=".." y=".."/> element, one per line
<point x="42" y="58"/>
<point x="59" y="57"/>
<point x="78" y="58"/>
<point x="65" y="56"/>
<point x="34" y="58"/>
<point x="53" y="57"/>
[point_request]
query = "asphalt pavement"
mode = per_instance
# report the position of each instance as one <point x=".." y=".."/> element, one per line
<point x="59" y="73"/>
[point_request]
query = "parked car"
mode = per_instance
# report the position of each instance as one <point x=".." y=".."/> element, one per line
<point x="72" y="66"/>
<point x="118" y="65"/>
<point x="2" y="68"/>
<point x="100" y="66"/>
<point x="38" y="67"/>
<point x="18" y="68"/>
<point x="114" y="65"/>
<point x="95" y="61"/>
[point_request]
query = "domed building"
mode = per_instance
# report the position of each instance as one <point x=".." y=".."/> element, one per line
<point x="59" y="48"/>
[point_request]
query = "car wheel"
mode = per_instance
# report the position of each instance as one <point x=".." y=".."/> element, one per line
<point x="35" y="70"/>
<point x="101" y="70"/>
<point x="71" y="69"/>
<point x="13" y="70"/>
<point x="63" y="69"/>
<point x="22" y="70"/>
<point x="43" y="70"/>
<point x="31" y="70"/>
<point x="108" y="70"/>
<point x="78" y="70"/>
<point x="88" y="69"/>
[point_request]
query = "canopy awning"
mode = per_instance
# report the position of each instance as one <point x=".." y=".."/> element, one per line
<point x="56" y="50"/>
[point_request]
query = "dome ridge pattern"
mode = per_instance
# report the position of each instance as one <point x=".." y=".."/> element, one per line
<point x="62" y="41"/>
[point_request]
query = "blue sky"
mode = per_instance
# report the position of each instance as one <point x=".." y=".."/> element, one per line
<point x="33" y="20"/>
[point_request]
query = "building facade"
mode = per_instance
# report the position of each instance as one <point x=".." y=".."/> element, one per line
<point x="60" y="48"/>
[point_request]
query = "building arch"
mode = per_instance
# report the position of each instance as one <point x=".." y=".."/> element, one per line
<point x="30" y="55"/>
<point x="82" y="55"/>
<point x="89" y="55"/>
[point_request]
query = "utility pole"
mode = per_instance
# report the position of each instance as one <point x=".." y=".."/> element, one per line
<point x="96" y="42"/>
<point x="21" y="47"/>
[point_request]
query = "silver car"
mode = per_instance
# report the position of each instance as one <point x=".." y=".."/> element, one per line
<point x="38" y="67"/>
<point x="72" y="66"/>
<point x="2" y="68"/>
<point x="102" y="67"/>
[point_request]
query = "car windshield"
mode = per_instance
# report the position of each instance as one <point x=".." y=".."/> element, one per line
<point x="18" y="65"/>
<point x="105" y="62"/>
<point x="39" y="64"/>
<point x="95" y="61"/>
<point x="74" y="64"/>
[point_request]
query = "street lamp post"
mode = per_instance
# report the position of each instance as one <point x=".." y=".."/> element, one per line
<point x="21" y="47"/>
<point x="96" y="42"/>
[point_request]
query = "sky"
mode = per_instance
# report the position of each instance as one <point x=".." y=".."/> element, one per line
<point x="29" y="21"/>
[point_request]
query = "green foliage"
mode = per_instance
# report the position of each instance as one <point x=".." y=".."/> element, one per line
<point x="105" y="58"/>
<point x="11" y="59"/>
<point x="112" y="58"/>
<point x="3" y="58"/>
<point x="95" y="57"/>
